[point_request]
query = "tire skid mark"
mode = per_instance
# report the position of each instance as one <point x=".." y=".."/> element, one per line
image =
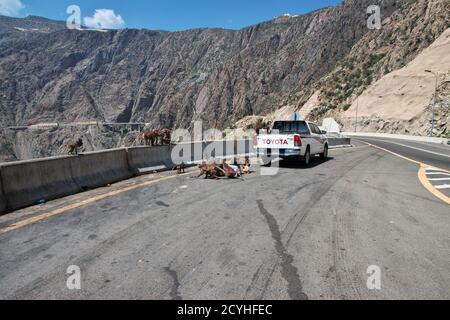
<point x="269" y="278"/>
<point x="174" y="291"/>
<point x="271" y="263"/>
<point x="254" y="279"/>
<point x="298" y="219"/>
<point x="288" y="271"/>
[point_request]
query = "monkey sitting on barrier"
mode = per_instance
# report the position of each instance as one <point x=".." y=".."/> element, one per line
<point x="157" y="137"/>
<point x="150" y="137"/>
<point x="165" y="136"/>
<point x="73" y="147"/>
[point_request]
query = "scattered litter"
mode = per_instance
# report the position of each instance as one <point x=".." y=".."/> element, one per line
<point x="183" y="187"/>
<point x="41" y="201"/>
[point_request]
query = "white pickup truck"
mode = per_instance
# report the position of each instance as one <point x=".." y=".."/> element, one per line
<point x="298" y="140"/>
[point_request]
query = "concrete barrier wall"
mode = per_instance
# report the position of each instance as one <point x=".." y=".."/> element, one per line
<point x="199" y="151"/>
<point x="2" y="198"/>
<point x="27" y="182"/>
<point x="96" y="169"/>
<point x="147" y="157"/>
<point x="337" y="142"/>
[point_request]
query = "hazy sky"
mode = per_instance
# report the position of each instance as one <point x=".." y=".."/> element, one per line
<point x="169" y="15"/>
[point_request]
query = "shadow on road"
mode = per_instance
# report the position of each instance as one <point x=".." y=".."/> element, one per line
<point x="290" y="164"/>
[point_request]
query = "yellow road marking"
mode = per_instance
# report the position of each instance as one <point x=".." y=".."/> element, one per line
<point x="83" y="203"/>
<point x="421" y="174"/>
<point x="427" y="184"/>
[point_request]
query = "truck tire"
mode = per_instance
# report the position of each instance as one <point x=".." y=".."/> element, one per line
<point x="268" y="165"/>
<point x="307" y="158"/>
<point x="324" y="155"/>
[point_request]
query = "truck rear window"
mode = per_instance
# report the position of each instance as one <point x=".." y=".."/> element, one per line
<point x="299" y="127"/>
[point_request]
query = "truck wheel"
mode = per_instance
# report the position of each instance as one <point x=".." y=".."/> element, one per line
<point x="324" y="155"/>
<point x="268" y="165"/>
<point x="307" y="159"/>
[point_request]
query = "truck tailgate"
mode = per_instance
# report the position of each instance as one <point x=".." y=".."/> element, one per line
<point x="276" y="142"/>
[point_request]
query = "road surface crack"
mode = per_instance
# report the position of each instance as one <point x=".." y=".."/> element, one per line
<point x="288" y="271"/>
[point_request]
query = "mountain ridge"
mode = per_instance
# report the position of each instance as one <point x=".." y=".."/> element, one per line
<point x="170" y="79"/>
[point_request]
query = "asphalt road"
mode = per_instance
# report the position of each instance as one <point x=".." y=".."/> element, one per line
<point x="435" y="156"/>
<point x="429" y="153"/>
<point x="304" y="233"/>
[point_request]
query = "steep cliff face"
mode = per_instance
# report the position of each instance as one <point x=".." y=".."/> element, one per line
<point x="388" y="66"/>
<point x="170" y="78"/>
<point x="51" y="74"/>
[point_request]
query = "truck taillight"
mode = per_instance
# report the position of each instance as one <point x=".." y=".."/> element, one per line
<point x="297" y="141"/>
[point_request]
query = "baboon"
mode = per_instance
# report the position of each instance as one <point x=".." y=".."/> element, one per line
<point x="181" y="168"/>
<point x="73" y="147"/>
<point x="245" y="168"/>
<point x="150" y="137"/>
<point x="166" y="136"/>
<point x="208" y="170"/>
<point x="157" y="137"/>
<point x="231" y="171"/>
<point x="260" y="124"/>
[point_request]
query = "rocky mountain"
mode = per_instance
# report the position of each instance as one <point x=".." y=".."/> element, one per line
<point x="388" y="65"/>
<point x="30" y="23"/>
<point x="51" y="74"/>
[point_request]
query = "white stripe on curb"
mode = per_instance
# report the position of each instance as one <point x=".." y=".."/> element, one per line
<point x="440" y="179"/>
<point x="445" y="186"/>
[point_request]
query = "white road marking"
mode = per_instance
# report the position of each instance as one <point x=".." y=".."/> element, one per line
<point x="419" y="149"/>
<point x="438" y="174"/>
<point x="435" y="145"/>
<point x="445" y="186"/>
<point x="440" y="179"/>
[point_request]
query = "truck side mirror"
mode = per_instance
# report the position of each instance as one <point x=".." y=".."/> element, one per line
<point x="324" y="132"/>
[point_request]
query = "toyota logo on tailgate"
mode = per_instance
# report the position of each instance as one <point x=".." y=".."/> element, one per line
<point x="277" y="142"/>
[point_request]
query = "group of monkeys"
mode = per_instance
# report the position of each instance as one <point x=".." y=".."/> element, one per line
<point x="149" y="137"/>
<point x="157" y="137"/>
<point x="214" y="170"/>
